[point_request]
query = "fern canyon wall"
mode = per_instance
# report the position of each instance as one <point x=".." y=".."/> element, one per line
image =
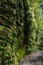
<point x="18" y="30"/>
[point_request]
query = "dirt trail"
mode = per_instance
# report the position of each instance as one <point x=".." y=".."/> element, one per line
<point x="33" y="59"/>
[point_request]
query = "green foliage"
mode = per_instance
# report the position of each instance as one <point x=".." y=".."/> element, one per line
<point x="20" y="53"/>
<point x="19" y="30"/>
<point x="30" y="28"/>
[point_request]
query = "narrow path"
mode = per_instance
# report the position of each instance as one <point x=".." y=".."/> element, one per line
<point x="33" y="59"/>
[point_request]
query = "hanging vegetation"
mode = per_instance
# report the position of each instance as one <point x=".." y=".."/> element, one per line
<point x="18" y="30"/>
